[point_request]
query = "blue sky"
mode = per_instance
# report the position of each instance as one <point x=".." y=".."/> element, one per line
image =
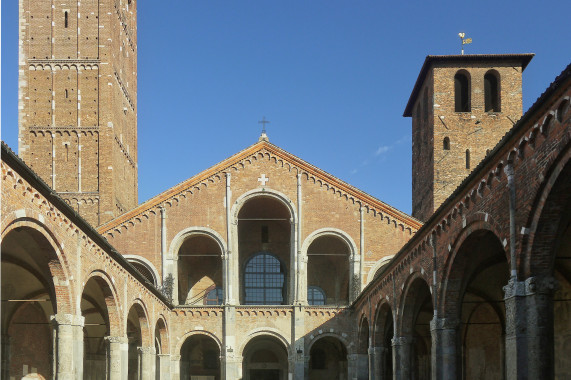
<point x="333" y="77"/>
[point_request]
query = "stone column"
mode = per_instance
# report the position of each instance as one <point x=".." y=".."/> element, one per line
<point x="69" y="345"/>
<point x="444" y="348"/>
<point x="164" y="366"/>
<point x="147" y="360"/>
<point x="175" y="367"/>
<point x="117" y="357"/>
<point x="377" y="358"/>
<point x="402" y="346"/>
<point x="529" y="328"/>
<point x="5" y="370"/>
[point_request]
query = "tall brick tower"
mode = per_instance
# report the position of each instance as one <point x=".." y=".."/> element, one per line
<point x="78" y="101"/>
<point x="461" y="106"/>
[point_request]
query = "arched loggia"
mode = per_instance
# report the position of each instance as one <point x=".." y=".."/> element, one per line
<point x="474" y="304"/>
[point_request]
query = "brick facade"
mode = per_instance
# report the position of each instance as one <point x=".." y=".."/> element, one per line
<point x="78" y="102"/>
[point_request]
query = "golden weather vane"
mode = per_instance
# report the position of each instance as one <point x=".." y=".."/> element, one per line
<point x="464" y="41"/>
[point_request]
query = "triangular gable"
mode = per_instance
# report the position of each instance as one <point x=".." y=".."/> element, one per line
<point x="370" y="203"/>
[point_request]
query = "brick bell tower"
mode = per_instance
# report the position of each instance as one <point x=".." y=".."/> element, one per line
<point x="461" y="106"/>
<point x="78" y="101"/>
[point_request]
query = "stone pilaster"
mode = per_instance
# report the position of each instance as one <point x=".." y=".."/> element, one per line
<point x="148" y="362"/>
<point x="377" y="360"/>
<point x="444" y="348"/>
<point x="352" y="366"/>
<point x="69" y="345"/>
<point x="164" y="366"/>
<point x="175" y="367"/>
<point x="118" y="357"/>
<point x="402" y="347"/>
<point x="529" y="328"/>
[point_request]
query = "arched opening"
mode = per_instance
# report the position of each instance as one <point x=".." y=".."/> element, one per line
<point x="328" y="359"/>
<point x="363" y="350"/>
<point x="265" y="358"/>
<point x="28" y="302"/>
<point x="462" y="92"/>
<point x="200" y="358"/>
<point x="199" y="271"/>
<point x="161" y="349"/>
<point x="382" y="341"/>
<point x="264" y="244"/>
<point x="474" y="296"/>
<point x="492" y="91"/>
<point x="417" y="314"/>
<point x="550" y="256"/>
<point x="144" y="270"/>
<point x="562" y="110"/>
<point x="96" y="294"/>
<point x="136" y="322"/>
<point x="331" y="252"/>
<point x="446" y="143"/>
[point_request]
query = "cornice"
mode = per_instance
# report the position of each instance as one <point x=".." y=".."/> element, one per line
<point x="237" y="161"/>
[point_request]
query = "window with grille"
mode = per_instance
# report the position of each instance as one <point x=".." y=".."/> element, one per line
<point x="264" y="281"/>
<point x="315" y="296"/>
<point x="214" y="297"/>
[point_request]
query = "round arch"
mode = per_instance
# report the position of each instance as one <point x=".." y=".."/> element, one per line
<point x="536" y="257"/>
<point x="265" y="331"/>
<point x="147" y="265"/>
<point x="270" y="193"/>
<point x="378" y="265"/>
<point x="112" y="301"/>
<point x="346" y="343"/>
<point x="178" y="241"/>
<point x="412" y="284"/>
<point x="144" y="322"/>
<point x="329" y="232"/>
<point x="57" y="263"/>
<point x="447" y="306"/>
<point x="162" y="326"/>
<point x="188" y="334"/>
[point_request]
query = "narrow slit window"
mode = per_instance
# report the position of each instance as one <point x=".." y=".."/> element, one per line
<point x="65" y="19"/>
<point x="66" y="94"/>
<point x="265" y="235"/>
<point x="446" y="143"/>
<point x="467" y="158"/>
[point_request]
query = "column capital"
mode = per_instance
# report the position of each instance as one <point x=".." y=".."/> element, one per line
<point x="401" y="340"/>
<point x="164" y="356"/>
<point x="514" y="288"/>
<point x="541" y="285"/>
<point x="67" y="319"/>
<point x="175" y="358"/>
<point x="116" y="339"/>
<point x="146" y="350"/>
<point x="444" y="323"/>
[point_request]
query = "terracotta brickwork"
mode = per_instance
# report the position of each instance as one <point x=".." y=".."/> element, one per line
<point x="439" y="166"/>
<point x="77" y="98"/>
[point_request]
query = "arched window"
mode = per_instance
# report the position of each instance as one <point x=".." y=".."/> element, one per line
<point x="264" y="280"/>
<point x="315" y="295"/>
<point x="214" y="296"/>
<point x="492" y="91"/>
<point x="561" y="110"/>
<point x="467" y="158"/>
<point x="446" y="143"/>
<point x="462" y="92"/>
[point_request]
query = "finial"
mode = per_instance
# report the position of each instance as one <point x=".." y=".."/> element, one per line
<point x="263" y="136"/>
<point x="464" y="41"/>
